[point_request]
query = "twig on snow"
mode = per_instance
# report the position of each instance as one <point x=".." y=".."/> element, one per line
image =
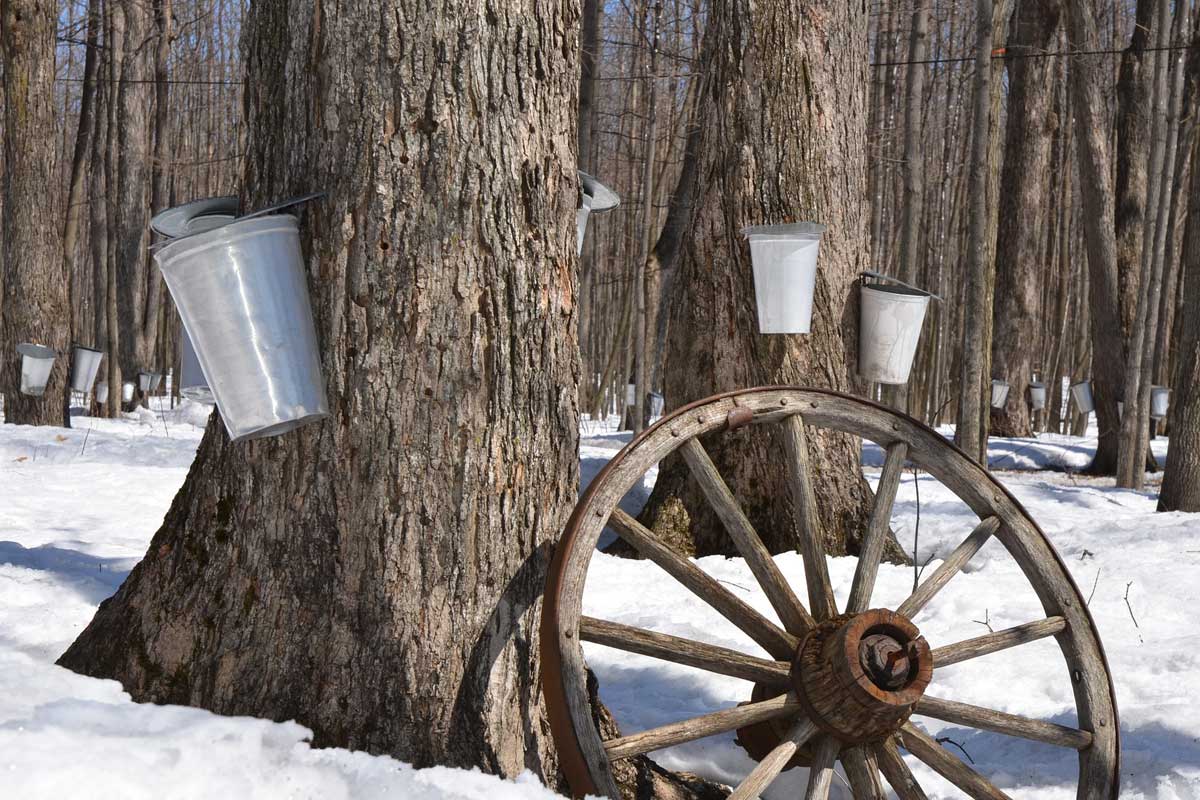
<point x="1131" y="616"/>
<point x="1093" y="594"/>
<point x="986" y="621"/>
<point x="948" y="740"/>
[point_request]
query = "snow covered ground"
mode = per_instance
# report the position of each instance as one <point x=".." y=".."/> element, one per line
<point x="78" y="507"/>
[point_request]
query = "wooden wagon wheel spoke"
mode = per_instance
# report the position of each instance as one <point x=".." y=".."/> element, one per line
<point x="770" y="767"/>
<point x="820" y="774"/>
<point x="877" y="529"/>
<point x="995" y="642"/>
<point x="689" y="730"/>
<point x="897" y="772"/>
<point x="950" y="567"/>
<point x="857" y="676"/>
<point x="816" y="572"/>
<point x="776" y="641"/>
<point x="862" y="770"/>
<point x="708" y="657"/>
<point x="791" y="611"/>
<point x="999" y="722"/>
<point x="933" y="755"/>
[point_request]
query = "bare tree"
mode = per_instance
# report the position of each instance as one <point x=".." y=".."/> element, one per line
<point x="404" y="540"/>
<point x="35" y="305"/>
<point x="1026" y="203"/>
<point x="770" y="151"/>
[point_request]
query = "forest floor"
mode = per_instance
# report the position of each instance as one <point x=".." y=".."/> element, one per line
<point x="78" y="508"/>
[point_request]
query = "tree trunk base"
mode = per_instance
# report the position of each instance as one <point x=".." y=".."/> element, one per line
<point x="640" y="778"/>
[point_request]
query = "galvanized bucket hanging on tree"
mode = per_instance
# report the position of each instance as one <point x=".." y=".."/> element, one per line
<point x="889" y="328"/>
<point x="102" y="392"/>
<point x="149" y="381"/>
<point x="999" y="393"/>
<point x="1160" y="401"/>
<point x="85" y="364"/>
<point x="1037" y="395"/>
<point x="785" y="274"/>
<point x="1082" y="394"/>
<point x="36" y="363"/>
<point x="127" y="391"/>
<point x="242" y="294"/>
<point x="594" y="197"/>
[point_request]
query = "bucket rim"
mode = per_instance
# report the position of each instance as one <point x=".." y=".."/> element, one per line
<point x="603" y="198"/>
<point x="38" y="351"/>
<point x="77" y="346"/>
<point x="1036" y="385"/>
<point x="174" y="222"/>
<point x="999" y="382"/>
<point x="802" y="231"/>
<point x="1087" y="381"/>
<point x="226" y="234"/>
<point x="907" y="294"/>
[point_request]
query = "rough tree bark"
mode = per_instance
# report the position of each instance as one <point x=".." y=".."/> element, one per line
<point x="1088" y="73"/>
<point x="1025" y="207"/>
<point x="914" y="167"/>
<point x="34" y="306"/>
<point x="783" y="116"/>
<point x="1132" y="155"/>
<point x="1181" y="481"/>
<point x="139" y="285"/>
<point x="376" y="576"/>
<point x="970" y="432"/>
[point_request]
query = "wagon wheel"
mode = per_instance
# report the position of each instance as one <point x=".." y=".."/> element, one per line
<point x="836" y="686"/>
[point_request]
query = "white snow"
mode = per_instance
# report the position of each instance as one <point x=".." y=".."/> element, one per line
<point x="78" y="508"/>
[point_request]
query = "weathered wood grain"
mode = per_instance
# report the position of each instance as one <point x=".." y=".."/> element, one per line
<point x="816" y="571"/>
<point x="995" y="642"/>
<point x="791" y="611"/>
<point x="988" y="719"/>
<point x="897" y="772"/>
<point x="769" y="768"/>
<point x="877" y="529"/>
<point x="862" y="770"/>
<point x="934" y="756"/>
<point x="776" y="641"/>
<point x="950" y="567"/>
<point x="678" y="650"/>
<point x="689" y="730"/>
<point x="820" y="774"/>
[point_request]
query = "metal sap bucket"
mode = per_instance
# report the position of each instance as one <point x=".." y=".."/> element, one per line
<point x="36" y="363"/>
<point x="1037" y="395"/>
<point x="999" y="393"/>
<point x="889" y="328"/>
<point x="102" y="392"/>
<point x="1160" y="401"/>
<point x="85" y="365"/>
<point x="630" y="394"/>
<point x="149" y="381"/>
<point x="1082" y="394"/>
<point x="594" y="197"/>
<point x="657" y="403"/>
<point x="127" y="392"/>
<point x="785" y="273"/>
<point x="243" y="298"/>
<point x="192" y="383"/>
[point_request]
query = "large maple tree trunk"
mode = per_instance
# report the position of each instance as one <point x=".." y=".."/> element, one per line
<point x="376" y="576"/>
<point x="1025" y="207"/>
<point x="783" y="117"/>
<point x="1181" y="481"/>
<point x="34" y="305"/>
<point x="1088" y="74"/>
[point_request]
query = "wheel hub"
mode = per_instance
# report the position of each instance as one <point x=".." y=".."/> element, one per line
<point x="858" y="677"/>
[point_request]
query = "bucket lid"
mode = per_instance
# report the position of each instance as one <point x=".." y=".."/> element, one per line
<point x="78" y="346"/>
<point x="195" y="217"/>
<point x="603" y="198"/>
<point x="790" y="230"/>
<point x="36" y="350"/>
<point x="999" y="382"/>
<point x="1081" y="383"/>
<point x="894" y="285"/>
<point x="1037" y="385"/>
